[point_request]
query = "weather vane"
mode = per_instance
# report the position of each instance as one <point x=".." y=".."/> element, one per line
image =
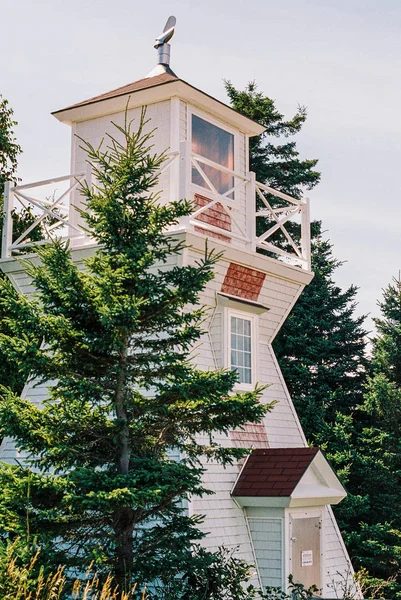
<point x="162" y="46"/>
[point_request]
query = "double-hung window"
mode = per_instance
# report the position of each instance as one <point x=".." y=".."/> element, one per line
<point x="215" y="144"/>
<point x="241" y="351"/>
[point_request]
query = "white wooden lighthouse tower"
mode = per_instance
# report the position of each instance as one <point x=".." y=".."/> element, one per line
<point x="276" y="505"/>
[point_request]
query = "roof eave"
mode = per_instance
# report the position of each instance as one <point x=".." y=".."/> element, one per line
<point x="158" y="93"/>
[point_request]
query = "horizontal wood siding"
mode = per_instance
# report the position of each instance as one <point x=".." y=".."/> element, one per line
<point x="267" y="538"/>
<point x="98" y="129"/>
<point x="339" y="571"/>
<point x="225" y="522"/>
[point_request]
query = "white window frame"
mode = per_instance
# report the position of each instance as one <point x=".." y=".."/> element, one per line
<point x="228" y="313"/>
<point x="205" y="191"/>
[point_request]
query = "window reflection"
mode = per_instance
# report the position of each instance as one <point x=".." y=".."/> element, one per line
<point x="217" y="145"/>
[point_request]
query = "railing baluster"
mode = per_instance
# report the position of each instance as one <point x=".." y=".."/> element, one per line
<point x="186" y="161"/>
<point x="7" y="235"/>
<point x="305" y="233"/>
<point x="250" y="215"/>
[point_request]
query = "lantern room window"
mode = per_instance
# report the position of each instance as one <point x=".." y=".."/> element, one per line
<point x="215" y="144"/>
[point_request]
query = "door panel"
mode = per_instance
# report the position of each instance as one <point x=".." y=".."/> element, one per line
<point x="306" y="550"/>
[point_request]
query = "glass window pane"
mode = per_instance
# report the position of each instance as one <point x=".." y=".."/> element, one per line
<point x="217" y="145"/>
<point x="241" y="348"/>
<point x="247" y="376"/>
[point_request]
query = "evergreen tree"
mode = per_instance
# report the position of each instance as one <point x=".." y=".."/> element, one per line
<point x="275" y="164"/>
<point x="321" y="346"/>
<point x="117" y="340"/>
<point x="371" y="516"/>
<point x="11" y="373"/>
<point x="9" y="149"/>
<point x="275" y="161"/>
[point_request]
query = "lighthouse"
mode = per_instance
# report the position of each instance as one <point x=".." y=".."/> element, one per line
<point x="275" y="506"/>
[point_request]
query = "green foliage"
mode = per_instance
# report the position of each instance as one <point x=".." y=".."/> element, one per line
<point x="21" y="578"/>
<point x="321" y="352"/>
<point x="117" y="343"/>
<point x="12" y="373"/>
<point x="321" y="347"/>
<point x="276" y="164"/>
<point x="275" y="161"/>
<point x="296" y="591"/>
<point x="9" y="149"/>
<point x="373" y="532"/>
<point x="352" y="409"/>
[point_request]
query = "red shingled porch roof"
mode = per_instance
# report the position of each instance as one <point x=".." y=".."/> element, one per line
<point x="273" y="471"/>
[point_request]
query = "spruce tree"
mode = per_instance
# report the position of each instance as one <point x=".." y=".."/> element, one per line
<point x="371" y="518"/>
<point x="11" y="373"/>
<point x="116" y="341"/>
<point x="321" y="346"/>
<point x="276" y="164"/>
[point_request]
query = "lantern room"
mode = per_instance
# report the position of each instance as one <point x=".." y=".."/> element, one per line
<point x="207" y="161"/>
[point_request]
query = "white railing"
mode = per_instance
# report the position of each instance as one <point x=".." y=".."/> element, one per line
<point x="52" y="215"/>
<point x="290" y="209"/>
<point x="242" y="206"/>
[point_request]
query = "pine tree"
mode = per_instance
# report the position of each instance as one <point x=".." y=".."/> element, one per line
<point x="117" y="340"/>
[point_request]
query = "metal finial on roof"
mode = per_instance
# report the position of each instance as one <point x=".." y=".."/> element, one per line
<point x="161" y="45"/>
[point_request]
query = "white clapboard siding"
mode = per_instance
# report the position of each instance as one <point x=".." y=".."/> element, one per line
<point x="339" y="572"/>
<point x="96" y="130"/>
<point x="267" y="538"/>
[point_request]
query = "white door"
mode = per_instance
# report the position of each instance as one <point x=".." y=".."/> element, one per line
<point x="305" y="549"/>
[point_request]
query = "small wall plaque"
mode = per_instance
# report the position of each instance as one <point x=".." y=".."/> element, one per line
<point x="306" y="558"/>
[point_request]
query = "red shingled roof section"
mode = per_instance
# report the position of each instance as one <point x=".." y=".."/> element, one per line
<point x="135" y="86"/>
<point x="273" y="471"/>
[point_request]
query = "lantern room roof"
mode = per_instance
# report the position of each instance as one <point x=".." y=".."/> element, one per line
<point x="130" y="88"/>
<point x="156" y="88"/>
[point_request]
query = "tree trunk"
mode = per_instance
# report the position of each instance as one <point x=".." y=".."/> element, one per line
<point x="123" y="518"/>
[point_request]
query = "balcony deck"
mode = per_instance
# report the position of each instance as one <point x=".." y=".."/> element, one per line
<point x="250" y="215"/>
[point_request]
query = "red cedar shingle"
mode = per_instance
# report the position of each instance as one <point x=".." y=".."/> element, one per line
<point x="243" y="282"/>
<point x="273" y="471"/>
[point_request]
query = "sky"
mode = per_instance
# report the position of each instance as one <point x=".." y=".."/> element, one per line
<point x="339" y="58"/>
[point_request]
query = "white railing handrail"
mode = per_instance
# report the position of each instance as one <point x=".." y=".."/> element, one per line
<point x="274" y="192"/>
<point x="241" y="207"/>
<point x="221" y="168"/>
<point x="46" y="182"/>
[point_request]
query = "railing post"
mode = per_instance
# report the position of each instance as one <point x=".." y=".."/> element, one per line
<point x="7" y="234"/>
<point x="251" y="210"/>
<point x="185" y="177"/>
<point x="305" y="233"/>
